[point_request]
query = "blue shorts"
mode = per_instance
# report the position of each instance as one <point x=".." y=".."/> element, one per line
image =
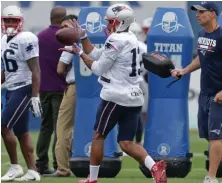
<point x="209" y="118"/>
<point x="16" y="112"/>
<point x="109" y="114"/>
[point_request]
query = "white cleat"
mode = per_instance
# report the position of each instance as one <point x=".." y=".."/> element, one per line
<point x="31" y="175"/>
<point x="210" y="180"/>
<point x="15" y="171"/>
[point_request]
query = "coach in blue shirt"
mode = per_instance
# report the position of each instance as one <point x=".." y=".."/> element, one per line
<point x="209" y="59"/>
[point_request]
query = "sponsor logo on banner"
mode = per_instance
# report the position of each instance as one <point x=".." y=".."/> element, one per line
<point x="169" y="23"/>
<point x="87" y="149"/>
<point x="163" y="149"/>
<point x="93" y="23"/>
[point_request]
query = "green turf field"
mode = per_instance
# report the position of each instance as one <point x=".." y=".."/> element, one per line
<point x="130" y="171"/>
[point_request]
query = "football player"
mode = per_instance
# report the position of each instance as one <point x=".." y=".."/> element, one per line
<point x="21" y="75"/>
<point x="118" y="66"/>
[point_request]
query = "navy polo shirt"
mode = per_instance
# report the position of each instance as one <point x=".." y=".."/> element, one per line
<point x="209" y="49"/>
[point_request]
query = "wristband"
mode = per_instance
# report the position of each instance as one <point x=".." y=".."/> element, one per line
<point x="80" y="52"/>
<point x="84" y="36"/>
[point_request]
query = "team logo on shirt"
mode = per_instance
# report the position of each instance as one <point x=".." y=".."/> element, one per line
<point x="109" y="46"/>
<point x="29" y="47"/>
<point x="206" y="45"/>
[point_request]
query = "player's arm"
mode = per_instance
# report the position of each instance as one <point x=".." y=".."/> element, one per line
<point x="62" y="68"/>
<point x="2" y="76"/>
<point x="98" y="67"/>
<point x="110" y="52"/>
<point x="65" y="62"/>
<point x="87" y="45"/>
<point x="106" y="60"/>
<point x="30" y="54"/>
<point x="195" y="64"/>
<point x="88" y="48"/>
<point x="93" y="52"/>
<point x="33" y="65"/>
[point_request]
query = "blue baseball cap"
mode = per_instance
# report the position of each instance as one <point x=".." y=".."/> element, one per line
<point x="206" y="6"/>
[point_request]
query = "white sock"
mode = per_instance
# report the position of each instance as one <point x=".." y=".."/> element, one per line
<point x="94" y="171"/>
<point x="15" y="166"/>
<point x="149" y="162"/>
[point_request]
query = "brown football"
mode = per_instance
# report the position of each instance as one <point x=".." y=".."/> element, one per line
<point x="68" y="36"/>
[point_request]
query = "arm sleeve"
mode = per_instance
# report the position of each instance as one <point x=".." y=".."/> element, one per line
<point x="102" y="65"/>
<point x="66" y="57"/>
<point x="29" y="46"/>
<point x="96" y="53"/>
<point x="111" y="51"/>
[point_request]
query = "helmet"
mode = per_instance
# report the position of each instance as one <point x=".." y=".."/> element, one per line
<point x="137" y="30"/>
<point x="12" y="20"/>
<point x="119" y="17"/>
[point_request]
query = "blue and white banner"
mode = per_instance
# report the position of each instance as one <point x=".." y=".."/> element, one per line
<point x="167" y="128"/>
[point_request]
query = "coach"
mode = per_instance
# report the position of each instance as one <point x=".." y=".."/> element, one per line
<point x="209" y="59"/>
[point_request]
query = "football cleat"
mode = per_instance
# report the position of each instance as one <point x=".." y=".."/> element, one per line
<point x="14" y="171"/>
<point x="87" y="180"/>
<point x="158" y="172"/>
<point x="31" y="175"/>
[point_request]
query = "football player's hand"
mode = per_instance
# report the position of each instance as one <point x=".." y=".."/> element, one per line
<point x="73" y="24"/>
<point x="218" y="98"/>
<point x="75" y="49"/>
<point x="35" y="107"/>
<point x="176" y="73"/>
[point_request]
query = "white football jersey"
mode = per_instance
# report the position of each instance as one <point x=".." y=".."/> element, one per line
<point x="67" y="58"/>
<point x="14" y="56"/>
<point x="118" y="65"/>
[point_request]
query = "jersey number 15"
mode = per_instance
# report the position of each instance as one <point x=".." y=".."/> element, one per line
<point x="133" y="65"/>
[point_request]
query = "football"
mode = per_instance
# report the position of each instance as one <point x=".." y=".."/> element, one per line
<point x="68" y="36"/>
